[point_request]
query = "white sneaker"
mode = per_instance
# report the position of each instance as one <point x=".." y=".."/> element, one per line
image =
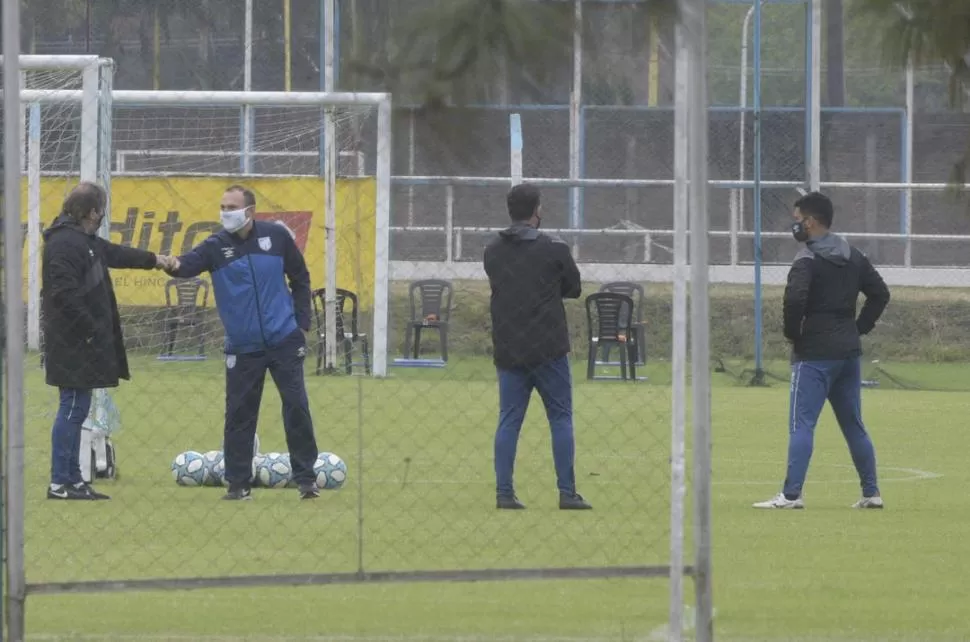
<point x="869" y="502"/>
<point x="780" y="501"/>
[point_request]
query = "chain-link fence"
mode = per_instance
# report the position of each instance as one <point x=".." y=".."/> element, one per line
<point x="411" y="465"/>
<point x="415" y="467"/>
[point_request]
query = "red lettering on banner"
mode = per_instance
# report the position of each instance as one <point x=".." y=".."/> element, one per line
<point x="297" y="222"/>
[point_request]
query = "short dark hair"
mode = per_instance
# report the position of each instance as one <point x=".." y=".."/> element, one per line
<point x="818" y="206"/>
<point x="85" y="196"/>
<point x="523" y="199"/>
<point x="248" y="197"/>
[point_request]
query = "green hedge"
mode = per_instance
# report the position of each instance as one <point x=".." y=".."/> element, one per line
<point x="920" y="324"/>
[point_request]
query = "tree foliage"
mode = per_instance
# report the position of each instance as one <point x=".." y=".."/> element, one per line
<point x="927" y="32"/>
<point x="443" y="45"/>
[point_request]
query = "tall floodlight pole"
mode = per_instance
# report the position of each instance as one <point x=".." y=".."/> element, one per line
<point x="815" y="144"/>
<point x="575" y="121"/>
<point x="247" y="127"/>
<point x="737" y="216"/>
<point x="907" y="219"/>
<point x="759" y="373"/>
<point x="14" y="325"/>
<point x="693" y="17"/>
<point x="678" y="358"/>
<point x="330" y="186"/>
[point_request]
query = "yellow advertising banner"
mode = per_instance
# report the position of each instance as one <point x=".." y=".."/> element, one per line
<point x="171" y="215"/>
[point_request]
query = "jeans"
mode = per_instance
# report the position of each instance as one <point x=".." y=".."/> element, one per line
<point x="66" y="435"/>
<point x="839" y="381"/>
<point x="553" y="381"/>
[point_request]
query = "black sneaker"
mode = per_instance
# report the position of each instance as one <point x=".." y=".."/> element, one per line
<point x="574" y="501"/>
<point x="309" y="491"/>
<point x="508" y="502"/>
<point x="87" y="488"/>
<point x="66" y="491"/>
<point x="238" y="493"/>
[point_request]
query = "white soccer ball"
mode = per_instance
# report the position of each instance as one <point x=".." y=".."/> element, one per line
<point x="258" y="461"/>
<point x="215" y="466"/>
<point x="274" y="471"/>
<point x="331" y="471"/>
<point x="188" y="469"/>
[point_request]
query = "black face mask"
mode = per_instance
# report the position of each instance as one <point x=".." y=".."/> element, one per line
<point x="798" y="231"/>
<point x="98" y="222"/>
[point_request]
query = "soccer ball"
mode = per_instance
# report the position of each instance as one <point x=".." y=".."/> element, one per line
<point x="219" y="471"/>
<point x="331" y="471"/>
<point x="188" y="469"/>
<point x="273" y="471"/>
<point x="215" y="466"/>
<point x="258" y="462"/>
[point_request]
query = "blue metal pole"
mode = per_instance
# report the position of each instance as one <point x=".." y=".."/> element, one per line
<point x="758" y="314"/>
<point x="903" y="173"/>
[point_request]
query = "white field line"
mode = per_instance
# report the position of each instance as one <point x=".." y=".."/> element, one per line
<point x="655" y="636"/>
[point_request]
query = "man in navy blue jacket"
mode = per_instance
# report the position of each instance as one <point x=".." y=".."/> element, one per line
<point x="821" y="323"/>
<point x="264" y="323"/>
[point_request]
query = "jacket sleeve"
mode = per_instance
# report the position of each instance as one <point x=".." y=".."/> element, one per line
<point x="194" y="263"/>
<point x="64" y="285"/>
<point x="796" y="297"/>
<point x="572" y="284"/>
<point x="122" y="256"/>
<point x="299" y="277"/>
<point x="877" y="297"/>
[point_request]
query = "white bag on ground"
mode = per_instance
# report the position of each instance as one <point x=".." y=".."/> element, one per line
<point x="97" y="451"/>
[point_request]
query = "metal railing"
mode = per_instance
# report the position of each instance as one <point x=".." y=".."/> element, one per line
<point x="453" y="234"/>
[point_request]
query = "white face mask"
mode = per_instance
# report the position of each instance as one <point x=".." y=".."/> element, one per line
<point x="234" y="221"/>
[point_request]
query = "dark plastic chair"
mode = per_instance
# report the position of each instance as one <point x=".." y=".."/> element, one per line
<point x="435" y="306"/>
<point x="345" y="339"/>
<point x="183" y="309"/>
<point x="608" y="318"/>
<point x="634" y="291"/>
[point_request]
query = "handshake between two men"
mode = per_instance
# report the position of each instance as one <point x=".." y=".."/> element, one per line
<point x="169" y="264"/>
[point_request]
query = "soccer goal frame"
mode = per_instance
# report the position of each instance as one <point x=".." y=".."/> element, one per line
<point x="94" y="157"/>
<point x="97" y="100"/>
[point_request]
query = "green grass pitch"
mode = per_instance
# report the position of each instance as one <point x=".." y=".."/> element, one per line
<point x="426" y="489"/>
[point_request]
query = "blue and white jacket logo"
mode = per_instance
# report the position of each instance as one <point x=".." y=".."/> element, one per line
<point x="265" y="243"/>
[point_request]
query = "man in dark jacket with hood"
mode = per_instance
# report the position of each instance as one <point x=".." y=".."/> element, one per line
<point x="820" y="321"/>
<point x="530" y="274"/>
<point x="83" y="345"/>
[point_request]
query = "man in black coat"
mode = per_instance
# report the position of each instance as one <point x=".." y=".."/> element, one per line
<point x="820" y="321"/>
<point x="530" y="274"/>
<point x="83" y="343"/>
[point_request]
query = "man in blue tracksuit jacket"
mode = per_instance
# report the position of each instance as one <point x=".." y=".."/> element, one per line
<point x="264" y="323"/>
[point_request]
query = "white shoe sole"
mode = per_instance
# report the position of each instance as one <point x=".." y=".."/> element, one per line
<point x="863" y="505"/>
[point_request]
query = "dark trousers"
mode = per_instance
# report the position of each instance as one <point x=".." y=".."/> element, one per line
<point x="66" y="435"/>
<point x="840" y="382"/>
<point x="553" y="381"/>
<point x="245" y="374"/>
